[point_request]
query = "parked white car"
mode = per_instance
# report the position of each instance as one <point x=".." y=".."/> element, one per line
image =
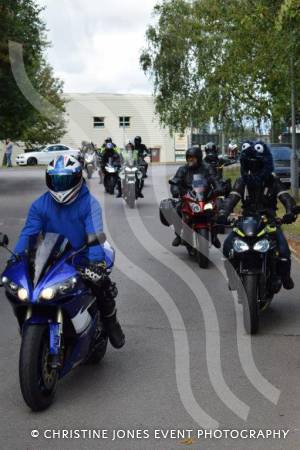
<point x="45" y="155"/>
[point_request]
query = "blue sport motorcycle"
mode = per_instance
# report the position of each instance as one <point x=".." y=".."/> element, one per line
<point x="60" y="322"/>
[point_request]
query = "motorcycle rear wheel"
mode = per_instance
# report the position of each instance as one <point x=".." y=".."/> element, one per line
<point x="38" y="381"/>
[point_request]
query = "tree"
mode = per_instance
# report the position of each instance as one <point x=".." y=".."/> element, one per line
<point x="288" y="22"/>
<point x="21" y="22"/>
<point x="226" y="60"/>
<point x="44" y="130"/>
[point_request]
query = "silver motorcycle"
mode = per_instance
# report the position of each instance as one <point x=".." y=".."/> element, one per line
<point x="131" y="179"/>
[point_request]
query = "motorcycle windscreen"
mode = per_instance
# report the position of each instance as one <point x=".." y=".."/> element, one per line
<point x="89" y="157"/>
<point x="200" y="186"/>
<point x="250" y="226"/>
<point x="46" y="248"/>
<point x="129" y="158"/>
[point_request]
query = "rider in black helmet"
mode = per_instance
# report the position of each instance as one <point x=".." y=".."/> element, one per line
<point x="212" y="158"/>
<point x="108" y="140"/>
<point x="259" y="190"/>
<point x="183" y="181"/>
<point x="142" y="152"/>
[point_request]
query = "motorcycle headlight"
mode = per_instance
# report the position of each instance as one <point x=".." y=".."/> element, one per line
<point x="195" y="207"/>
<point x="48" y="293"/>
<point x="208" y="206"/>
<point x="262" y="246"/>
<point x="240" y="246"/>
<point x="63" y="288"/>
<point x="67" y="286"/>
<point x="22" y="294"/>
<point x="15" y="289"/>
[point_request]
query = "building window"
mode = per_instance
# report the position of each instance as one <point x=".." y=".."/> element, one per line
<point x="98" y="122"/>
<point x="124" y="121"/>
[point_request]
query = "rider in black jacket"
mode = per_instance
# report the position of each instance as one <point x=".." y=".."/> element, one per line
<point x="259" y="189"/>
<point x="110" y="152"/>
<point x="213" y="160"/>
<point x="182" y="182"/>
<point x="142" y="152"/>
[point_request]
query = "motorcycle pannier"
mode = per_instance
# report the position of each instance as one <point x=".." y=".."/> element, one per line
<point x="167" y="211"/>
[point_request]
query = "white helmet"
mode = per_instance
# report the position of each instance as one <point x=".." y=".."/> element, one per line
<point x="64" y="179"/>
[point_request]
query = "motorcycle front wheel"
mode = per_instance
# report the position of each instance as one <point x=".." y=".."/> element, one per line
<point x="38" y="381"/>
<point x="131" y="196"/>
<point x="110" y="185"/>
<point x="250" y="303"/>
<point x="203" y="248"/>
<point x="89" y="171"/>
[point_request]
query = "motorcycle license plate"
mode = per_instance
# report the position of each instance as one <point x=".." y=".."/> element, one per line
<point x="285" y="180"/>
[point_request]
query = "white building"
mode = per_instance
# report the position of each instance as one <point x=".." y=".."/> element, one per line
<point x="93" y="117"/>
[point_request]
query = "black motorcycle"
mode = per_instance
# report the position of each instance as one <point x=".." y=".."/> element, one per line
<point x="253" y="265"/>
<point x="111" y="176"/>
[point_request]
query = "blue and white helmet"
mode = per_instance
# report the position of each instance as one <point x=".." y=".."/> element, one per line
<point x="64" y="179"/>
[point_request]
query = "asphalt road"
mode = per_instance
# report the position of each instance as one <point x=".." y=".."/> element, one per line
<point x="186" y="364"/>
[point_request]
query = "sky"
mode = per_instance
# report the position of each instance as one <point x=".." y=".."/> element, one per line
<point x="96" y="43"/>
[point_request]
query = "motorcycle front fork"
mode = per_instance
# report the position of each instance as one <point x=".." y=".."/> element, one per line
<point x="55" y="347"/>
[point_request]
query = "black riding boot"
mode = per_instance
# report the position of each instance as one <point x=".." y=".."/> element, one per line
<point x="177" y="241"/>
<point x="107" y="306"/>
<point x="284" y="270"/>
<point x="114" y="330"/>
<point x="119" y="189"/>
<point x="215" y="240"/>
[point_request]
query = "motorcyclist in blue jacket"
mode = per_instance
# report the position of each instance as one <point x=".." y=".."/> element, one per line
<point x="69" y="209"/>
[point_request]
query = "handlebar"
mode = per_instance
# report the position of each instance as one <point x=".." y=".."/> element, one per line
<point x="276" y="220"/>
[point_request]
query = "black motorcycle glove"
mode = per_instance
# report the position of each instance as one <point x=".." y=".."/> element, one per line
<point x="94" y="272"/>
<point x="14" y="259"/>
<point x="222" y="219"/>
<point x="218" y="192"/>
<point x="289" y="218"/>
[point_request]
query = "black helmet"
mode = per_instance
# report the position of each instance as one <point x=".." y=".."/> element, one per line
<point x="194" y="152"/>
<point x="137" y="140"/>
<point x="108" y="140"/>
<point x="211" y="148"/>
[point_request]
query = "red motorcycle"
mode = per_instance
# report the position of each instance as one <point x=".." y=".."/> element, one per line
<point x="199" y="210"/>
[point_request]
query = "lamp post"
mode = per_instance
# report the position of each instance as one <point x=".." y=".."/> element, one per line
<point x="294" y="158"/>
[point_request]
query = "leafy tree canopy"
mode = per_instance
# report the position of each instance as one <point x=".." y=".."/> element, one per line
<point x="21" y="22"/>
<point x="225" y="60"/>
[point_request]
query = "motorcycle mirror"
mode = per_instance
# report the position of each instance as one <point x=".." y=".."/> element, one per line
<point x="4" y="241"/>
